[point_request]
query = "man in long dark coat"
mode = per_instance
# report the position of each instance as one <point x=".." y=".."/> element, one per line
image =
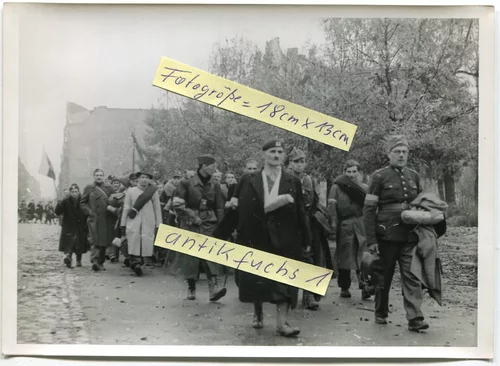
<point x="31" y="210"/>
<point x="39" y="212"/>
<point x="100" y="222"/>
<point x="345" y="204"/>
<point x="320" y="251"/>
<point x="272" y="218"/>
<point x="199" y="205"/>
<point x="22" y="211"/>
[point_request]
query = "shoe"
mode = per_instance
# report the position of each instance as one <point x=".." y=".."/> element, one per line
<point x="112" y="259"/>
<point x="214" y="292"/>
<point x="309" y="302"/>
<point x="416" y="325"/>
<point x="67" y="262"/>
<point x="217" y="295"/>
<point x="365" y="294"/>
<point x="258" y="321"/>
<point x="287" y="331"/>
<point x="371" y="290"/>
<point x="345" y="293"/>
<point x="380" y="320"/>
<point x="191" y="294"/>
<point x="96" y="267"/>
<point x="126" y="262"/>
<point x="138" y="270"/>
<point x="78" y="263"/>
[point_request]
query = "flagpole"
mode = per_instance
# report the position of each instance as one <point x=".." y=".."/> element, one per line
<point x="55" y="188"/>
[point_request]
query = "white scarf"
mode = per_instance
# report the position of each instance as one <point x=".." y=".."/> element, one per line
<point x="270" y="197"/>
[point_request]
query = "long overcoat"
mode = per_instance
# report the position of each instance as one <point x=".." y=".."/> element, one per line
<point x="192" y="191"/>
<point x="100" y="221"/>
<point x="283" y="232"/>
<point x="74" y="229"/>
<point x="140" y="230"/>
<point x="319" y="226"/>
<point x="347" y="224"/>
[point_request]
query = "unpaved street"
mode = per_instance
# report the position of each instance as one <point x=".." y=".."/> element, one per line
<point x="60" y="305"/>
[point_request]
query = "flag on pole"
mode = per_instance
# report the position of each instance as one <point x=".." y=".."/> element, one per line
<point x="46" y="167"/>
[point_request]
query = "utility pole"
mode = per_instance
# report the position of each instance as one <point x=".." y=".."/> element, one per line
<point x="133" y="157"/>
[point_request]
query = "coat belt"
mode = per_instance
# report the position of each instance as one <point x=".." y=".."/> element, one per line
<point x="396" y="206"/>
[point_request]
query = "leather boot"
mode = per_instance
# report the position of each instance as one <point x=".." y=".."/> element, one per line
<point x="287" y="331"/>
<point x="309" y="302"/>
<point x="417" y="324"/>
<point x="191" y="294"/>
<point x="67" y="260"/>
<point x="191" y="289"/>
<point x="213" y="288"/>
<point x="258" y="321"/>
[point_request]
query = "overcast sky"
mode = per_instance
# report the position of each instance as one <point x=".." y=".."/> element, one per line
<point x="106" y="56"/>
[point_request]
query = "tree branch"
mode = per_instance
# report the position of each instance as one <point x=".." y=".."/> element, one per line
<point x="475" y="74"/>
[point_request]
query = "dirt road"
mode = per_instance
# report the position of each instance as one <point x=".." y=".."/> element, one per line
<point x="67" y="306"/>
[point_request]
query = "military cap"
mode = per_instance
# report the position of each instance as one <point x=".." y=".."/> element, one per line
<point x="206" y="159"/>
<point x="396" y="140"/>
<point x="125" y="181"/>
<point x="271" y="144"/>
<point x="132" y="176"/>
<point x="115" y="179"/>
<point x="177" y="174"/>
<point x="296" y="154"/>
<point x="138" y="174"/>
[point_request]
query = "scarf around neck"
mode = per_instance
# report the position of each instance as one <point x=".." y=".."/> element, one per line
<point x="352" y="189"/>
<point x="271" y="196"/>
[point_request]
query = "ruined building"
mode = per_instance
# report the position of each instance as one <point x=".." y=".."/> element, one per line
<point x="28" y="188"/>
<point x="99" y="138"/>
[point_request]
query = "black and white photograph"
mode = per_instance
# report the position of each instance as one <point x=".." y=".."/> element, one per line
<point x="101" y="158"/>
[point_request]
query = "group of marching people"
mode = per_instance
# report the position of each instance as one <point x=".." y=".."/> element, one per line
<point x="275" y="209"/>
<point x="36" y="213"/>
<point x="111" y="217"/>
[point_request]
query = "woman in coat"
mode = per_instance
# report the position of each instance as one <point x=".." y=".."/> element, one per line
<point x="345" y="205"/>
<point x="74" y="228"/>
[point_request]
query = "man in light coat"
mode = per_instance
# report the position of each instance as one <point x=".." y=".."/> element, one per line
<point x="142" y="228"/>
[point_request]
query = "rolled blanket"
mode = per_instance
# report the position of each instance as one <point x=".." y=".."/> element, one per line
<point x="419" y="217"/>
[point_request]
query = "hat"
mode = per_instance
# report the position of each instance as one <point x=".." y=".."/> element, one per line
<point x="138" y="174"/>
<point x="296" y="154"/>
<point x="132" y="176"/>
<point x="177" y="174"/>
<point x="206" y="159"/>
<point x="395" y="140"/>
<point x="115" y="179"/>
<point x="272" y="143"/>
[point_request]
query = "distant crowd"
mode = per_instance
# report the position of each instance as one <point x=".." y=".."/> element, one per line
<point x="31" y="213"/>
